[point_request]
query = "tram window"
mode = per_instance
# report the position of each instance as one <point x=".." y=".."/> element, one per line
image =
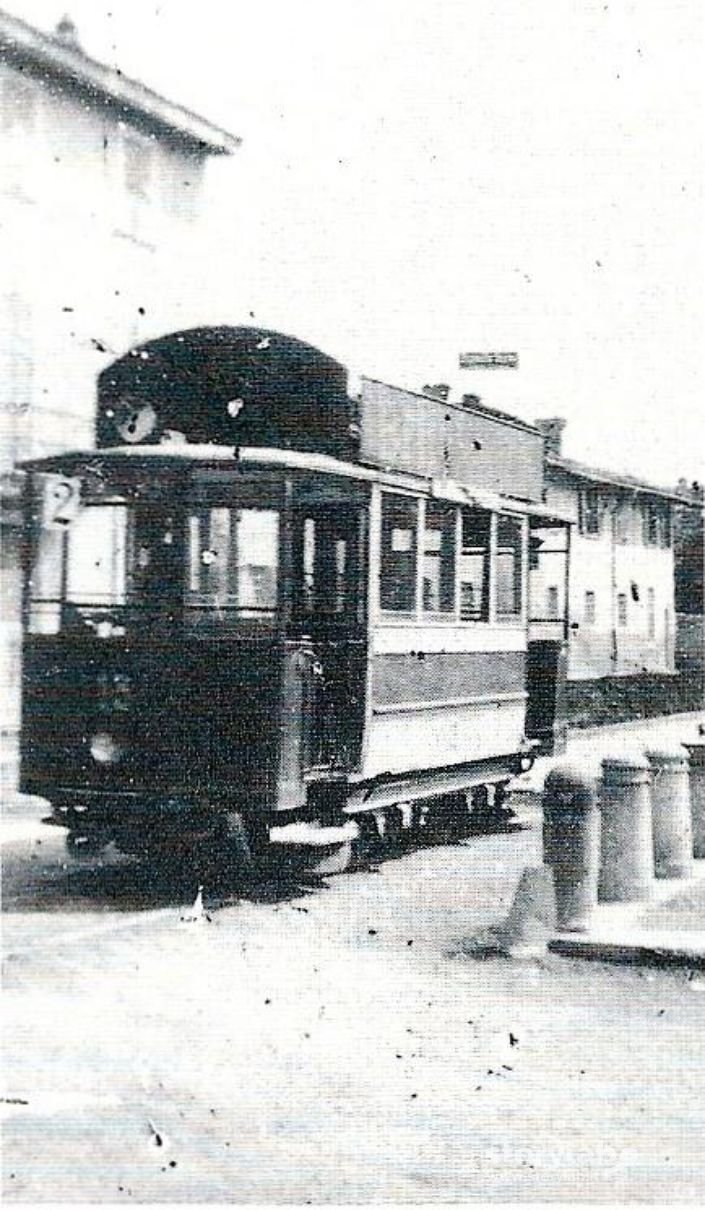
<point x="438" y="563"/>
<point x="397" y="581"/>
<point x="97" y="556"/>
<point x="233" y="559"/>
<point x="323" y="554"/>
<point x="508" y="567"/>
<point x="475" y="565"/>
<point x="45" y="584"/>
<point x="83" y="565"/>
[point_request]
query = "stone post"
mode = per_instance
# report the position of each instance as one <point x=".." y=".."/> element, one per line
<point x="571" y="844"/>
<point x="627" y="858"/>
<point x="696" y="753"/>
<point x="670" y="813"/>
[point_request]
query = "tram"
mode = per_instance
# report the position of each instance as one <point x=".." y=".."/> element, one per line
<point x="265" y="613"/>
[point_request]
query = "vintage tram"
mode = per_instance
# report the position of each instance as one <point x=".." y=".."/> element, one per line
<point x="267" y="613"/>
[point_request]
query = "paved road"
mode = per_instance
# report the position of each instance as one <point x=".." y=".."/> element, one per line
<point x="334" y="1042"/>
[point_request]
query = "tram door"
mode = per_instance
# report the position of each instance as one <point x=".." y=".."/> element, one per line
<point x="547" y="656"/>
<point x="328" y="623"/>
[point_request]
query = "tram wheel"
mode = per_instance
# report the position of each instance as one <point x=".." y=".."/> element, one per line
<point x="489" y="809"/>
<point x="447" y="818"/>
<point x="246" y="844"/>
<point x="336" y="860"/>
<point x="368" y="846"/>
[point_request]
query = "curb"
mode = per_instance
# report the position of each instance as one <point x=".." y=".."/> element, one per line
<point x="646" y="952"/>
<point x="616" y="933"/>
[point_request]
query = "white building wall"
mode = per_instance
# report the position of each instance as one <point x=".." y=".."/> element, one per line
<point x="102" y="244"/>
<point x="602" y="643"/>
<point x="99" y="249"/>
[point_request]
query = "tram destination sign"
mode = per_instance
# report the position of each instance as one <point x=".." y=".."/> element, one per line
<point x="489" y="361"/>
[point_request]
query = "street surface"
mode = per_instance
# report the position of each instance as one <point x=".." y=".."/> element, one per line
<point x="588" y="747"/>
<point x="332" y="1042"/>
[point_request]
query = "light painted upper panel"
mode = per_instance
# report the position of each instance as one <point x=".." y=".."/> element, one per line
<point x="471" y="444"/>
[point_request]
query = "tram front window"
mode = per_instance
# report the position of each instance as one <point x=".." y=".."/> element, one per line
<point x="118" y="566"/>
<point x="80" y="572"/>
<point x="324" y="566"/>
<point x="232" y="564"/>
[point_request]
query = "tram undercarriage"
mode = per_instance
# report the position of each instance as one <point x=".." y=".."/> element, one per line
<point x="346" y="826"/>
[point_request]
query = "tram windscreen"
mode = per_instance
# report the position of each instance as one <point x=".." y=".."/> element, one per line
<point x="233" y="556"/>
<point x="80" y="572"/>
<point x="120" y="564"/>
<point x="96" y="566"/>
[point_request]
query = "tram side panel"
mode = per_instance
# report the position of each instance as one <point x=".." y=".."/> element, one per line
<point x="445" y="697"/>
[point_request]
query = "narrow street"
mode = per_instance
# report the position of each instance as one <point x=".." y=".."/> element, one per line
<point x="334" y="1042"/>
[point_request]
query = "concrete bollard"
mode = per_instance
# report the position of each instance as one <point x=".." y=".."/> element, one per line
<point x="627" y="854"/>
<point x="571" y="844"/>
<point x="532" y="916"/>
<point x="696" y="753"/>
<point x="670" y="813"/>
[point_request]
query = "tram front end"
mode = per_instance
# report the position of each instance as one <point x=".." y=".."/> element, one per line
<point x="173" y="692"/>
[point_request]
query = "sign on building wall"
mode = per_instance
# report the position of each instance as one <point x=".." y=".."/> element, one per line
<point x="489" y="361"/>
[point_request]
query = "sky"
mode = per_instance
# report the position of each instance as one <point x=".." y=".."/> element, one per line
<point x="420" y="178"/>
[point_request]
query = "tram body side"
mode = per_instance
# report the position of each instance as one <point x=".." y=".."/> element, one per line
<point x="137" y="732"/>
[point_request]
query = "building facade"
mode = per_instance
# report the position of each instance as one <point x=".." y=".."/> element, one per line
<point x="689" y="551"/>
<point x="621" y="603"/>
<point x="102" y="231"/>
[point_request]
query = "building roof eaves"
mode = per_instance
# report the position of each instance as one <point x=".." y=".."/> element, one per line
<point x="614" y="478"/>
<point x="22" y="43"/>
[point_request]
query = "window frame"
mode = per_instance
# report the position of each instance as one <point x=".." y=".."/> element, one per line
<point x="215" y="489"/>
<point x="651" y="613"/>
<point x="488" y="571"/>
<point x="138" y="165"/>
<point x="419" y="615"/>
<point x="587" y="531"/>
<point x="384" y="612"/>
<point x="552" y="603"/>
<point x="657" y="525"/>
<point x="440" y="614"/>
<point x="221" y="581"/>
<point x="520" y="616"/>
<point x="313" y="537"/>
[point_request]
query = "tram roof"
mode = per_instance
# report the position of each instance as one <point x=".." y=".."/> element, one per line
<point x="221" y="455"/>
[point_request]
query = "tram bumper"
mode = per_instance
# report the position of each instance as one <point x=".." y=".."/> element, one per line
<point x="314" y="847"/>
<point x="130" y="820"/>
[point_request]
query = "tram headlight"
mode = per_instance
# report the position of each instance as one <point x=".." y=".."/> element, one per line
<point x="104" y="749"/>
